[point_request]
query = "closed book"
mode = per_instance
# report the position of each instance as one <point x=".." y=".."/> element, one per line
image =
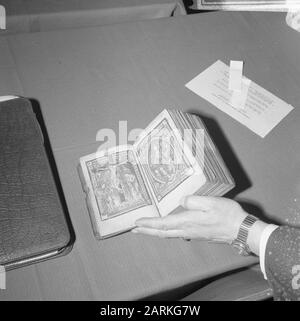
<point x="33" y="222"/>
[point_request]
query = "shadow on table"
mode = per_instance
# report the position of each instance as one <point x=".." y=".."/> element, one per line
<point x="190" y="7"/>
<point x="257" y="210"/>
<point x="38" y="113"/>
<point x="236" y="169"/>
<point x="181" y="292"/>
<point x="241" y="179"/>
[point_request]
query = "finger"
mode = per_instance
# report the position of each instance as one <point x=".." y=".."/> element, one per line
<point x="158" y="233"/>
<point x="172" y="221"/>
<point x="203" y="203"/>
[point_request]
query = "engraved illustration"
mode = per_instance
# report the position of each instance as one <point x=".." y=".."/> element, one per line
<point x="117" y="184"/>
<point x="163" y="160"/>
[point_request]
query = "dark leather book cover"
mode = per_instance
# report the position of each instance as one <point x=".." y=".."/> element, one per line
<point x="33" y="224"/>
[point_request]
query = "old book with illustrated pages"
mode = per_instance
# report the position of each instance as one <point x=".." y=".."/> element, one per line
<point x="173" y="157"/>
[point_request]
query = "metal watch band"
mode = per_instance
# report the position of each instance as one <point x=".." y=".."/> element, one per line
<point x="244" y="228"/>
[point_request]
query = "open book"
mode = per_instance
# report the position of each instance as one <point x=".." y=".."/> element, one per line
<point x="172" y="158"/>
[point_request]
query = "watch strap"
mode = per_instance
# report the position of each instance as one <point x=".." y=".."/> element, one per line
<point x="243" y="234"/>
<point x="245" y="227"/>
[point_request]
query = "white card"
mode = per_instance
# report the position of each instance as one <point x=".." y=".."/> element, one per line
<point x="261" y="110"/>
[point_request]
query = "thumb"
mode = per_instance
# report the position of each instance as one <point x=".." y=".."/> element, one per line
<point x="192" y="202"/>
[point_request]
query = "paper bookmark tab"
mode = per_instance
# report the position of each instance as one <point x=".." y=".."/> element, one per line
<point x="235" y="75"/>
<point x="238" y="99"/>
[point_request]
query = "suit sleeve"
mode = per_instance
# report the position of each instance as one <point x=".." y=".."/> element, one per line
<point x="282" y="263"/>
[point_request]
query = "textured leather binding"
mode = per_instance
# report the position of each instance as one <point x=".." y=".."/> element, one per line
<point x="33" y="225"/>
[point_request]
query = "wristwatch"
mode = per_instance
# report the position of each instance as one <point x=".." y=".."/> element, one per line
<point x="240" y="243"/>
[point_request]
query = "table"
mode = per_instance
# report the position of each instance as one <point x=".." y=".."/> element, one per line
<point x="88" y="79"/>
<point x="36" y="15"/>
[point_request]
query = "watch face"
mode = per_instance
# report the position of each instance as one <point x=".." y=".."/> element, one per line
<point x="240" y="247"/>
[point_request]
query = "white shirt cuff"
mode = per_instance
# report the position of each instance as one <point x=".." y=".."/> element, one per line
<point x="263" y="244"/>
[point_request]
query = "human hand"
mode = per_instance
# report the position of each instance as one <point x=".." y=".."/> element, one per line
<point x="210" y="218"/>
